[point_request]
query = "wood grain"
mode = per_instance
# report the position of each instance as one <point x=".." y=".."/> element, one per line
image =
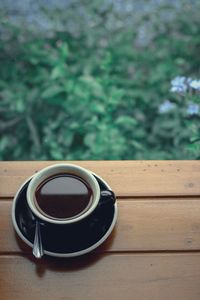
<point x="127" y="178"/>
<point x="152" y="254"/>
<point x="141" y="276"/>
<point x="143" y="225"/>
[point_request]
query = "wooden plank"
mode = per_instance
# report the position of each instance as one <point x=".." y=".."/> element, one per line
<point x="127" y="178"/>
<point x="143" y="225"/>
<point x="141" y="276"/>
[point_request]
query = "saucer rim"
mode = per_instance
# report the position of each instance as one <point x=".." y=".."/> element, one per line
<point x="57" y="254"/>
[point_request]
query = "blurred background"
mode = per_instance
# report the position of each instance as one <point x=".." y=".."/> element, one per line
<point x="102" y="79"/>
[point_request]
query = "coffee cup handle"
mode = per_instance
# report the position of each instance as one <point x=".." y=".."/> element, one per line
<point x="107" y="197"/>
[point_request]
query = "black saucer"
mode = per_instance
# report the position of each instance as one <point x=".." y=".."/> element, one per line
<point x="63" y="240"/>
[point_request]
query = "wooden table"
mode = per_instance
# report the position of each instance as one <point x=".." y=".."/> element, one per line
<point x="153" y="253"/>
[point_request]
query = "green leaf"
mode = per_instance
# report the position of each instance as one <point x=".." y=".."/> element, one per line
<point x="126" y="120"/>
<point x="52" y="91"/>
<point x="64" y="50"/>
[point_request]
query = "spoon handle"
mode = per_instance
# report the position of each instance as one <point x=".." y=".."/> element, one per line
<point x="38" y="250"/>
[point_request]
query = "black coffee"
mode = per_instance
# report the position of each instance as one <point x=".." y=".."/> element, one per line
<point x="63" y="196"/>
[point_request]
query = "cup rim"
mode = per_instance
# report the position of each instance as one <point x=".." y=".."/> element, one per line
<point x="55" y="169"/>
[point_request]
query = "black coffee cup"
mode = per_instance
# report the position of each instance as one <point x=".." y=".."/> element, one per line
<point x="77" y="175"/>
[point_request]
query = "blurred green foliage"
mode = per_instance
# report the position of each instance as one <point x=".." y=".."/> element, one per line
<point x="96" y="93"/>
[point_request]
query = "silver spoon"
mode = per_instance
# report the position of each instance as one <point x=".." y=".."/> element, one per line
<point x="38" y="250"/>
